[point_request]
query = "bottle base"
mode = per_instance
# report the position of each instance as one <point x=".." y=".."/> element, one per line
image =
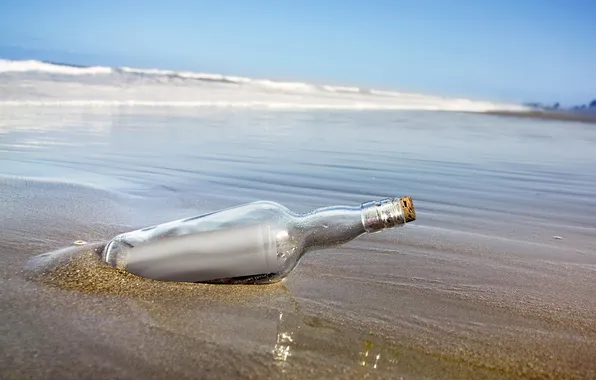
<point x="261" y="279"/>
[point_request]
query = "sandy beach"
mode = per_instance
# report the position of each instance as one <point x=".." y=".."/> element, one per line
<point x="495" y="279"/>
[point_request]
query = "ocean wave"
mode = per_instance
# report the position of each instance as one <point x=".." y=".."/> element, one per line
<point x="7" y="66"/>
<point x="185" y="75"/>
<point x="31" y="83"/>
<point x="343" y="89"/>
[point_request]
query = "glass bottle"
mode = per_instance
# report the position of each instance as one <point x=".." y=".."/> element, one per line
<point x="259" y="242"/>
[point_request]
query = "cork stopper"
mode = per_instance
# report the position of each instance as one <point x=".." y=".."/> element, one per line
<point x="408" y="207"/>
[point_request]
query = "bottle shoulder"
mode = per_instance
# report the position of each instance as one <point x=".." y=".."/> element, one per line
<point x="268" y="205"/>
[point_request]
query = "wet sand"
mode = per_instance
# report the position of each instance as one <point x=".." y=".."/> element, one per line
<point x="495" y="280"/>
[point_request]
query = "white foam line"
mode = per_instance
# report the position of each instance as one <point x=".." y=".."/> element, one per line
<point x="227" y="104"/>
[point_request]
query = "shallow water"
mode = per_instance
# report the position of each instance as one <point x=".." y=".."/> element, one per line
<point x="494" y="280"/>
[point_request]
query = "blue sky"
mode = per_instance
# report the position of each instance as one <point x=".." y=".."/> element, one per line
<point x="511" y="50"/>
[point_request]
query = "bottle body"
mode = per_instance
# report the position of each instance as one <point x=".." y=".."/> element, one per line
<point x="259" y="242"/>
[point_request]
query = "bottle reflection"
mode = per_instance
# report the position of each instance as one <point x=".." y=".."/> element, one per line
<point x="291" y="338"/>
<point x="287" y="326"/>
<point x="367" y="356"/>
<point x="286" y="344"/>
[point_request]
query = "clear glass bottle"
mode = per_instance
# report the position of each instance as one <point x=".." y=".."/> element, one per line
<point x="258" y="242"/>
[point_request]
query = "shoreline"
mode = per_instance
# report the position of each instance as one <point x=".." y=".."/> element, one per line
<point x="547" y="115"/>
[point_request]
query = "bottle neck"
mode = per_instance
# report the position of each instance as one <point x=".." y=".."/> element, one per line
<point x="327" y="227"/>
<point x="386" y="213"/>
<point x="330" y="226"/>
